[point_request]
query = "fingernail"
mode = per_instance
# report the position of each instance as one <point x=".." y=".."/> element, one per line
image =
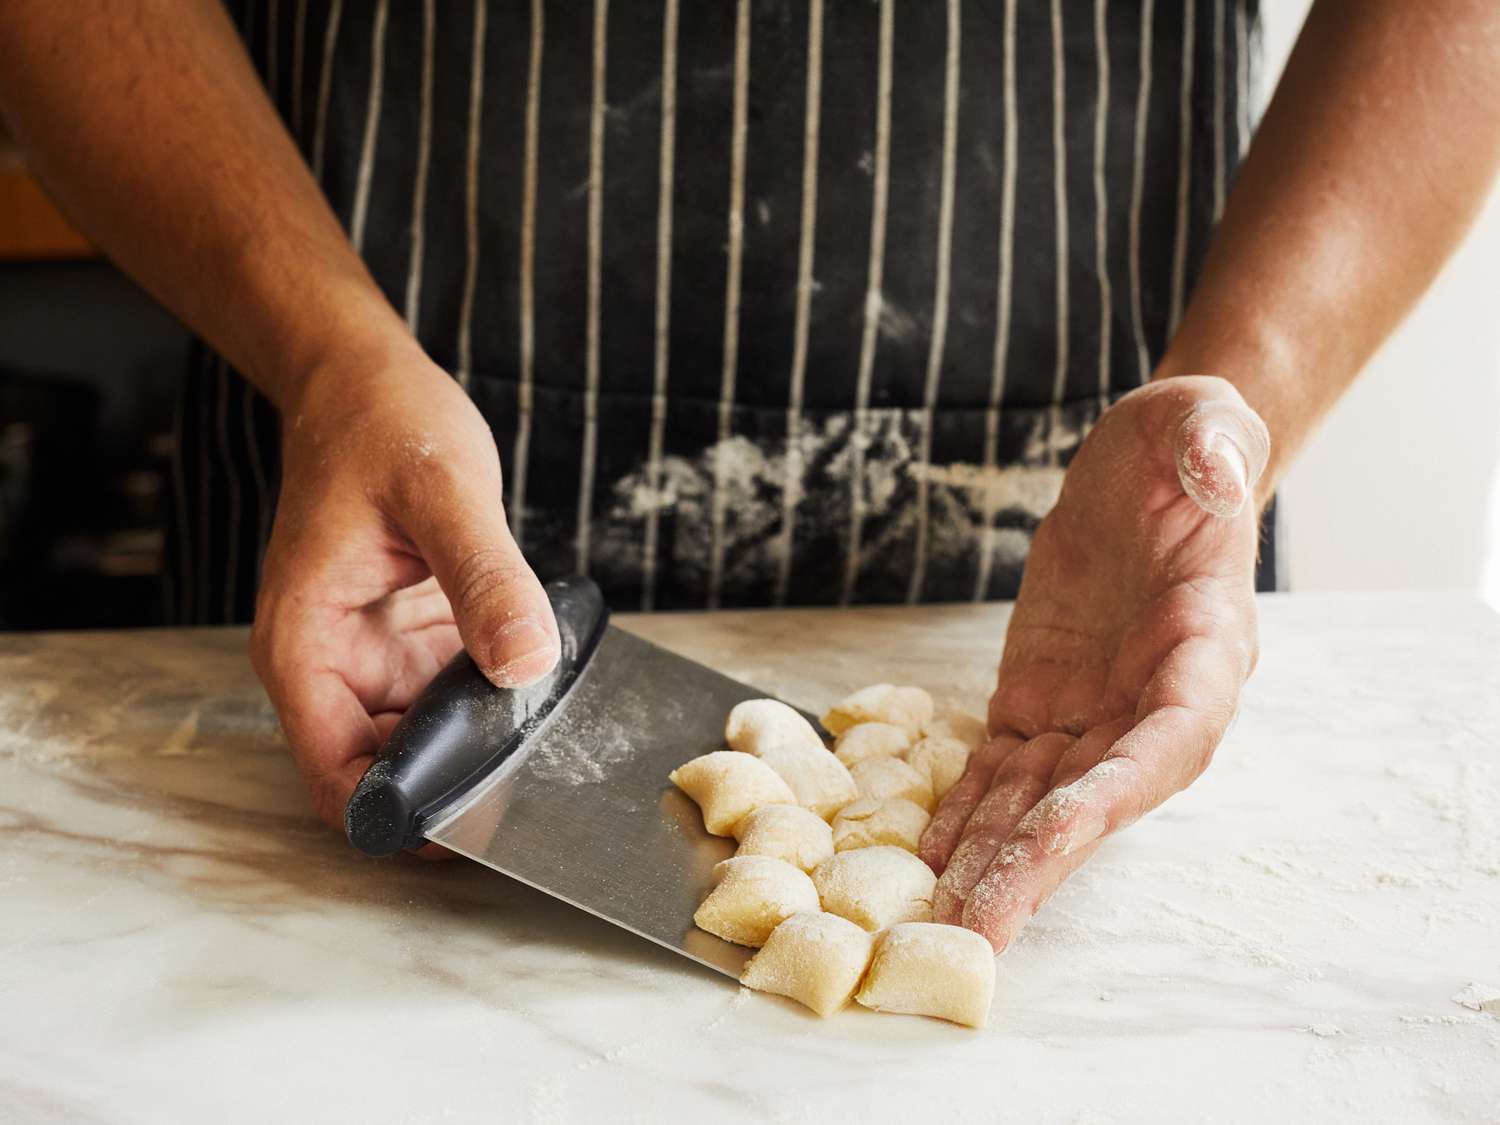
<point x="1213" y="471"/>
<point x="526" y="651"/>
<point x="1233" y="458"/>
<point x="1222" y="450"/>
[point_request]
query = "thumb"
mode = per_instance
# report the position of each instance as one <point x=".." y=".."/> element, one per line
<point x="1221" y="447"/>
<point x="501" y="610"/>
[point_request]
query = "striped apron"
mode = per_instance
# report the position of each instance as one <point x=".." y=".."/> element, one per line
<point x="766" y="301"/>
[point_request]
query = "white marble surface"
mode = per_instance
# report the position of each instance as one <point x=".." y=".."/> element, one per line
<point x="180" y="942"/>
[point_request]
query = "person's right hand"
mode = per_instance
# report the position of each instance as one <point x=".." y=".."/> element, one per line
<point x="390" y="548"/>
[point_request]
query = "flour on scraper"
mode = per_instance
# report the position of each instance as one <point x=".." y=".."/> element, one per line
<point x="755" y="895"/>
<point x="816" y="959"/>
<point x="927" y="969"/>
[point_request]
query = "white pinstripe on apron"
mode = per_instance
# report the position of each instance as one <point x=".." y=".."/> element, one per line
<point x="772" y="300"/>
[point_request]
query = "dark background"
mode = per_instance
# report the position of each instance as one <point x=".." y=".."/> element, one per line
<point x="89" y="373"/>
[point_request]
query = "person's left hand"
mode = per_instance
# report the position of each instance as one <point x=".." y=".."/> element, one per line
<point x="1134" y="630"/>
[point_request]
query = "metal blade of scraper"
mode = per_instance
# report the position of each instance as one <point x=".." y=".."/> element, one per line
<point x="584" y="811"/>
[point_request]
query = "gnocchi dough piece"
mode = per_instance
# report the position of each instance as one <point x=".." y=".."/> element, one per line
<point x="816" y="959"/>
<point x="818" y="780"/>
<point x="870" y="740"/>
<point x="870" y="822"/>
<point x="891" y="777"/>
<point x="876" y="887"/>
<point x="905" y="707"/>
<point x="926" y="969"/>
<point x="786" y="832"/>
<point x="728" y="785"/>
<point x="966" y="728"/>
<point x="941" y="760"/>
<point x="757" y="723"/>
<point x="755" y="895"/>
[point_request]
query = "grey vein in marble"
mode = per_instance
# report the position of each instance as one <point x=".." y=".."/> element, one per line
<point x="180" y="941"/>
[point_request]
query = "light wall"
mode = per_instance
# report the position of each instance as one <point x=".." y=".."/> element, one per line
<point x="1401" y="486"/>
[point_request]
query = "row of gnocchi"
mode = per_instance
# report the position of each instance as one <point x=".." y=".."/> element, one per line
<point x="840" y="910"/>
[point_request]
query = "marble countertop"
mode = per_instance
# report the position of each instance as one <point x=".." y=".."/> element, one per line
<point x="179" y="941"/>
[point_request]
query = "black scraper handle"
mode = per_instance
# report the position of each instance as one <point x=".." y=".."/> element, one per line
<point x="462" y="727"/>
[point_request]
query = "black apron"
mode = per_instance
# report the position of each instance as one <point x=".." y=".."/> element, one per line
<point x="766" y="301"/>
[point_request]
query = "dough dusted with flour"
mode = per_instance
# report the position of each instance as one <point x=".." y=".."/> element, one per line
<point x="966" y="728"/>
<point x="905" y="707"/>
<point x="871" y="822"/>
<point x="941" y="760"/>
<point x="926" y="969"/>
<point x="870" y="740"/>
<point x="755" y="894"/>
<point x="880" y="778"/>
<point x="727" y="785"/>
<point x="786" y="832"/>
<point x="757" y="723"/>
<point x="876" y="887"/>
<point x="815" y="959"/>
<point x="818" y="779"/>
<point x="845" y="910"/>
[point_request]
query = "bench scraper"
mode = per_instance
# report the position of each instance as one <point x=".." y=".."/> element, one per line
<point x="563" y="784"/>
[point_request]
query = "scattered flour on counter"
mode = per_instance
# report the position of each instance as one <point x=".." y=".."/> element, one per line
<point x="581" y="750"/>
<point x="1443" y="1021"/>
<point x="1478" y="997"/>
<point x="1322" y="1030"/>
<point x="180" y="741"/>
<point x="739" y="1000"/>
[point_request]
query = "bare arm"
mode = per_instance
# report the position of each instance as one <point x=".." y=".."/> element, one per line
<point x="1372" y="161"/>
<point x="146" y="121"/>
<point x="1136" y="621"/>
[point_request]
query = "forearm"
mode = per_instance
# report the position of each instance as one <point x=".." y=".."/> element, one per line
<point x="148" y="124"/>
<point x="1371" y="163"/>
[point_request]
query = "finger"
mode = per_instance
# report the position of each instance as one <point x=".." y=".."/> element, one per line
<point x="1035" y="668"/>
<point x="393" y="671"/>
<point x="332" y="738"/>
<point x="384" y="722"/>
<point x="1020" y="882"/>
<point x="501" y="610"/>
<point x="1083" y="756"/>
<point x="1019" y="782"/>
<point x="1066" y="827"/>
<point x="1192" y="699"/>
<point x="414" y="608"/>
<point x="947" y="825"/>
<point x="1204" y="672"/>
<point x="1047" y="845"/>
<point x="1221" y="447"/>
<point x="1100" y="789"/>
